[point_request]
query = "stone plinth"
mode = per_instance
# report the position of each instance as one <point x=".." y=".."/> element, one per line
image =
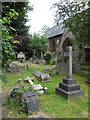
<point x="68" y="88"/>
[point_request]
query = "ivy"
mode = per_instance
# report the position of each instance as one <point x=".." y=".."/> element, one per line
<point x="8" y="53"/>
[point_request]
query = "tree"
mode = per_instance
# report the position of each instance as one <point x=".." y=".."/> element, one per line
<point x="48" y="57"/>
<point x="44" y="29"/>
<point x="20" y="23"/>
<point x="19" y="30"/>
<point x="22" y="44"/>
<point x="38" y="44"/>
<point x="75" y="16"/>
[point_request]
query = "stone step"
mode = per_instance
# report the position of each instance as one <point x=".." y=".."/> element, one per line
<point x="68" y="95"/>
<point x="69" y="88"/>
<point x="69" y="81"/>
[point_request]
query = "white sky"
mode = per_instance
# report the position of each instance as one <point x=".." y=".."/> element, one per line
<point x="41" y="14"/>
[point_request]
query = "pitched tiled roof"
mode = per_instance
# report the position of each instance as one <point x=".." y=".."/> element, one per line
<point x="54" y="31"/>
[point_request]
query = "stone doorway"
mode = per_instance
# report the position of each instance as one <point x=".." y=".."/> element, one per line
<point x="67" y="42"/>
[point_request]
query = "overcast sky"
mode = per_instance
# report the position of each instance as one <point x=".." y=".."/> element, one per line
<point x="41" y="15"/>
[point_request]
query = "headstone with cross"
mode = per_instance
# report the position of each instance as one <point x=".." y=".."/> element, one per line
<point x="68" y="88"/>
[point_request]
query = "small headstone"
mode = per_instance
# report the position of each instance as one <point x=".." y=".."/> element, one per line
<point x="21" y="56"/>
<point x="30" y="102"/>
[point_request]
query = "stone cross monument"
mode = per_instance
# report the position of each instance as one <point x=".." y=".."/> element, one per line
<point x="68" y="88"/>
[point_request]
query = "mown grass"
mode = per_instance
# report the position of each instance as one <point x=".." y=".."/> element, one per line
<point x="51" y="104"/>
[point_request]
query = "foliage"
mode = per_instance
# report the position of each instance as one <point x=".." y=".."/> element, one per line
<point x="76" y="17"/>
<point x="18" y="30"/>
<point x="44" y="29"/>
<point x="18" y="24"/>
<point x="3" y="76"/>
<point x="38" y="44"/>
<point x="53" y="61"/>
<point x="7" y="41"/>
<point x="48" y="57"/>
<point x="21" y="43"/>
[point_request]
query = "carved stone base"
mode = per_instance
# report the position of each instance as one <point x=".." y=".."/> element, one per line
<point x="69" y="89"/>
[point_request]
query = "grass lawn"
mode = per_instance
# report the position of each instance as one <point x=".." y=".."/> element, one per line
<point x="51" y="104"/>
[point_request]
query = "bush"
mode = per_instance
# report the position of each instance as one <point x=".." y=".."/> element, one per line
<point x="53" y="61"/>
<point x="47" y="57"/>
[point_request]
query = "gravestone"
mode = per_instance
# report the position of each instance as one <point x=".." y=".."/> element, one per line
<point x="41" y="76"/>
<point x="21" y="56"/>
<point x="30" y="102"/>
<point x="68" y="88"/>
<point x="14" y="67"/>
<point x="38" y="87"/>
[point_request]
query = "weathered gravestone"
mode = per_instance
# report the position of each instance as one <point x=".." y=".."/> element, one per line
<point x="41" y="76"/>
<point x="30" y="102"/>
<point x="21" y="56"/>
<point x="68" y="88"/>
<point x="14" y="67"/>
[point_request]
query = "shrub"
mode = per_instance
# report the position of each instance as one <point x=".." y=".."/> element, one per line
<point x="47" y="57"/>
<point x="53" y="61"/>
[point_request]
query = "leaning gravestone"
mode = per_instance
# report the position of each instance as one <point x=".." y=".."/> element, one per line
<point x="30" y="102"/>
<point x="68" y="88"/>
<point x="41" y="76"/>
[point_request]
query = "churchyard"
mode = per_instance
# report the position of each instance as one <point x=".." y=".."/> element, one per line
<point x="51" y="104"/>
<point x="45" y="74"/>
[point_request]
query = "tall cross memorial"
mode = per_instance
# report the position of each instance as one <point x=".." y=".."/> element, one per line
<point x="68" y="88"/>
